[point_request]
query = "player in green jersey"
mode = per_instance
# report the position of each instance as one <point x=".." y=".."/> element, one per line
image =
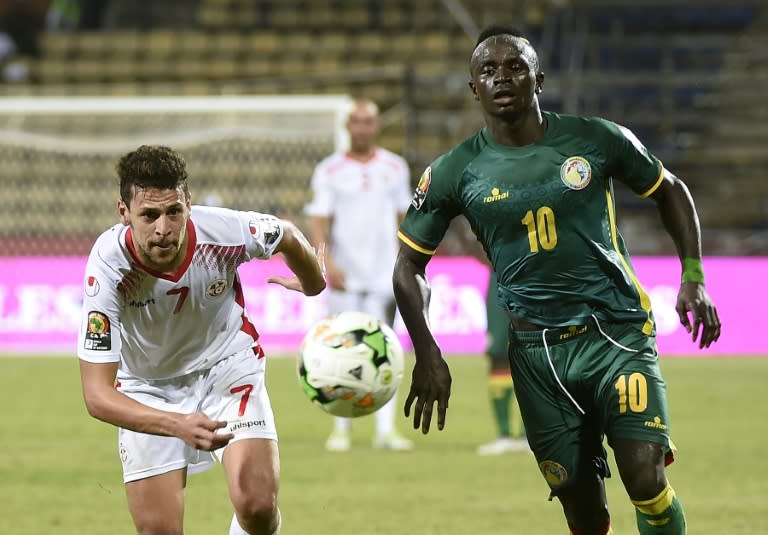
<point x="537" y="190"/>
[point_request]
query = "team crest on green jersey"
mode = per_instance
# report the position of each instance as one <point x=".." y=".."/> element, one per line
<point x="575" y="173"/>
<point x="421" y="188"/>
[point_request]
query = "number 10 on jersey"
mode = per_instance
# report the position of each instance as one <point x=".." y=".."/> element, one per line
<point x="541" y="229"/>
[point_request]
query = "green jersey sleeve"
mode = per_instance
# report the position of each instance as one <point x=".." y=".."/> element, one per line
<point x="436" y="200"/>
<point x="631" y="162"/>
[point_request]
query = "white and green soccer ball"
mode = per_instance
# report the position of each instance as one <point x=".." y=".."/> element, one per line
<point x="350" y="364"/>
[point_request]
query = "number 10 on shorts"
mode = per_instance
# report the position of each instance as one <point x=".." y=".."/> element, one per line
<point x="633" y="392"/>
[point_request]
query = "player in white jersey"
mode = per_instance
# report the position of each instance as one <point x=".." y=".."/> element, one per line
<point x="359" y="198"/>
<point x="167" y="352"/>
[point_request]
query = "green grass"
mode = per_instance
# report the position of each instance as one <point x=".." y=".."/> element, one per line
<point x="59" y="471"/>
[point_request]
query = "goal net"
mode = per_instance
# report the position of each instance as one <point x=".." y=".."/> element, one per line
<point x="245" y="152"/>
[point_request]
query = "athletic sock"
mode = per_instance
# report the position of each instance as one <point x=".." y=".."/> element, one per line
<point x="501" y="389"/>
<point x="385" y="418"/>
<point x="662" y="515"/>
<point x="342" y="424"/>
<point x="235" y="529"/>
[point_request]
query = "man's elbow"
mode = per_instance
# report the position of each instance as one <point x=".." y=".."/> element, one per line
<point x="315" y="289"/>
<point x="94" y="405"/>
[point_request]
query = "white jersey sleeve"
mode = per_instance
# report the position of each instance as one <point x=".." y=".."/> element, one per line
<point x="160" y="325"/>
<point x="404" y="191"/>
<point x="99" y="333"/>
<point x="260" y="233"/>
<point x="322" y="203"/>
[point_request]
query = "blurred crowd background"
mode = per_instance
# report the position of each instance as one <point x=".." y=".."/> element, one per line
<point x="689" y="77"/>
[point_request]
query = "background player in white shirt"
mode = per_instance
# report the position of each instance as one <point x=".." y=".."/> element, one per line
<point x="359" y="198"/>
<point x="167" y="352"/>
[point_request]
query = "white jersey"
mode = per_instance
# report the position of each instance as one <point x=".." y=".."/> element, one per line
<point x="363" y="200"/>
<point x="159" y="326"/>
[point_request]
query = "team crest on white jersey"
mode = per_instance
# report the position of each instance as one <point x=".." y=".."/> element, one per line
<point x="215" y="289"/>
<point x="576" y="173"/>
<point x="421" y="188"/>
<point x="92" y="286"/>
<point x="268" y="227"/>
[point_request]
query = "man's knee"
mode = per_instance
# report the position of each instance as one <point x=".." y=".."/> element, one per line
<point x="641" y="466"/>
<point x="592" y="519"/>
<point x="157" y="525"/>
<point x="587" y="519"/>
<point x="253" y="475"/>
<point x="156" y="503"/>
<point x="585" y="506"/>
<point x="586" y="523"/>
<point x="644" y="483"/>
<point x="256" y="509"/>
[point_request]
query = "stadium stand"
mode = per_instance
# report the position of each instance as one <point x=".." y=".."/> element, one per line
<point x="687" y="76"/>
<point x="687" y="82"/>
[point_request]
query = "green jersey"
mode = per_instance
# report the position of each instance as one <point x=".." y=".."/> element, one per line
<point x="546" y="216"/>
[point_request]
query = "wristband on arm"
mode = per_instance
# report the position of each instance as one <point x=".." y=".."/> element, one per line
<point x="692" y="270"/>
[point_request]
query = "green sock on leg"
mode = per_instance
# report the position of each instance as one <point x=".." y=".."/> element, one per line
<point x="501" y="389"/>
<point x="662" y="515"/>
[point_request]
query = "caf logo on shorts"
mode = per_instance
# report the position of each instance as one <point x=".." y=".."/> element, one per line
<point x="216" y="288"/>
<point x="576" y="173"/>
<point x="554" y="473"/>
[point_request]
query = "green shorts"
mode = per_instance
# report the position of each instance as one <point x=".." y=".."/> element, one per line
<point x="498" y="324"/>
<point x="581" y="387"/>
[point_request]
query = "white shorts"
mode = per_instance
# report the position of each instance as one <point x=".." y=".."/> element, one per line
<point x="233" y="391"/>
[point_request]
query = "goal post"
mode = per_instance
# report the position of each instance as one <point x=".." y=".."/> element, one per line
<point x="245" y="152"/>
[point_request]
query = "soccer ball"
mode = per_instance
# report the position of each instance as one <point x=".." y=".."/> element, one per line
<point x="350" y="364"/>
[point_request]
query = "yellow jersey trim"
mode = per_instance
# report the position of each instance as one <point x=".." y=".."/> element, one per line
<point x="655" y="186"/>
<point x="645" y="301"/>
<point x="413" y="245"/>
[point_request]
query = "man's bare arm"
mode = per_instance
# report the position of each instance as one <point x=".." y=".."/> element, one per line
<point x="104" y="402"/>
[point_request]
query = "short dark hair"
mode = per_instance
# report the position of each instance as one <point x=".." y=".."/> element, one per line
<point x="151" y="166"/>
<point x="503" y="29"/>
<point x="498" y="29"/>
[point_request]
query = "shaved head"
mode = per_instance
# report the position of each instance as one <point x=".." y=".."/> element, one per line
<point x="363" y="127"/>
<point x="364" y="106"/>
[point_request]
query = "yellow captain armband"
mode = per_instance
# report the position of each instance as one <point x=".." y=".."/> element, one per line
<point x="692" y="270"/>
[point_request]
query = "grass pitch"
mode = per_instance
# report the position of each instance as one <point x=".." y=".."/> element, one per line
<point x="59" y="471"/>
